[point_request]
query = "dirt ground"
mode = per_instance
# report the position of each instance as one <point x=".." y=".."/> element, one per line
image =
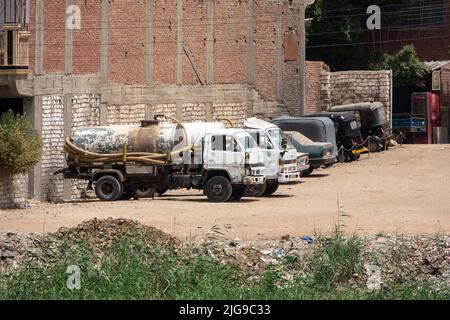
<point x="405" y="190"/>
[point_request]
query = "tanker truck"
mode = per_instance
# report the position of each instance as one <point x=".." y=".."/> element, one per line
<point x="117" y="161"/>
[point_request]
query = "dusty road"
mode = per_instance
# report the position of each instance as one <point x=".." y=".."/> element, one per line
<point x="404" y="190"/>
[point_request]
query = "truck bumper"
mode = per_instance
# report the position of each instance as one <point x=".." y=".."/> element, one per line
<point x="290" y="177"/>
<point x="325" y="161"/>
<point x="252" y="180"/>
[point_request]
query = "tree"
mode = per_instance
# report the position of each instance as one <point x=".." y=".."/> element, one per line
<point x="407" y="68"/>
<point x="20" y="144"/>
<point x="338" y="31"/>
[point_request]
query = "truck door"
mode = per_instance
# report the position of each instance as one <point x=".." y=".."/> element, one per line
<point x="223" y="152"/>
<point x="271" y="153"/>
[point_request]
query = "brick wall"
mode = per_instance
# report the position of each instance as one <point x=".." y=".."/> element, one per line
<point x="356" y="86"/>
<point x="53" y="142"/>
<point x="13" y="191"/>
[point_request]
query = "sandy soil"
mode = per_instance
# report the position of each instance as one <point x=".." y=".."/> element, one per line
<point x="404" y="190"/>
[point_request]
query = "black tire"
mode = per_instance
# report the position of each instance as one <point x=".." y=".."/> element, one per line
<point x="256" y="190"/>
<point x="108" y="188"/>
<point x="162" y="190"/>
<point x="129" y="193"/>
<point x="145" y="192"/>
<point x="238" y="193"/>
<point x="307" y="172"/>
<point x="218" y="189"/>
<point x="374" y="146"/>
<point x="271" y="189"/>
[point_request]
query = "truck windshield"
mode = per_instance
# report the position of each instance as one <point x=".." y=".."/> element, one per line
<point x="246" y="140"/>
<point x="278" y="136"/>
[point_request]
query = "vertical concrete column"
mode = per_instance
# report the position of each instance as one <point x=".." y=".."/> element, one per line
<point x="180" y="42"/>
<point x="210" y="44"/>
<point x="149" y="42"/>
<point x="104" y="38"/>
<point x="302" y="58"/>
<point x="250" y="26"/>
<point x="180" y="110"/>
<point x="68" y="122"/>
<point x="39" y="36"/>
<point x="279" y="44"/>
<point x="209" y="112"/>
<point x="148" y="112"/>
<point x="68" y="48"/>
<point x="33" y="109"/>
<point x="103" y="110"/>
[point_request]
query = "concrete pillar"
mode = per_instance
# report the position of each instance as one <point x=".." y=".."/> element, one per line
<point x="103" y="110"/>
<point x="302" y="58"/>
<point x="210" y="44"/>
<point x="250" y="26"/>
<point x="33" y="110"/>
<point x="279" y="44"/>
<point x="149" y="43"/>
<point x="148" y="112"/>
<point x="68" y="121"/>
<point x="180" y="110"/>
<point x="180" y="42"/>
<point x="39" y="68"/>
<point x="68" y="48"/>
<point x="104" y="38"/>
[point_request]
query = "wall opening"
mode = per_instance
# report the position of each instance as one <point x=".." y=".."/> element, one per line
<point x="14" y="104"/>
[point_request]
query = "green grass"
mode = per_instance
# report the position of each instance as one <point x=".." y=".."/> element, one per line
<point x="129" y="269"/>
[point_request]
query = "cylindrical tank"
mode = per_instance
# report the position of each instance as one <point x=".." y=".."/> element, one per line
<point x="151" y="137"/>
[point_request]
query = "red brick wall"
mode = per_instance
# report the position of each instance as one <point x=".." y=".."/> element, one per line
<point x="431" y="43"/>
<point x="230" y="48"/>
<point x="127" y="41"/>
<point x="195" y="33"/>
<point x="32" y="40"/>
<point x="165" y="41"/>
<point x="265" y="54"/>
<point x="86" y="42"/>
<point x="314" y="73"/>
<point x="54" y="35"/>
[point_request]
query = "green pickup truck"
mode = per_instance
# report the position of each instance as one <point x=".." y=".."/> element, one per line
<point x="320" y="153"/>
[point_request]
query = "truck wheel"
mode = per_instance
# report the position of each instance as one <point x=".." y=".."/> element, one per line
<point x="108" y="188"/>
<point x="256" y="190"/>
<point x="128" y="193"/>
<point x="161" y="190"/>
<point x="307" y="172"/>
<point x="145" y="192"/>
<point x="238" y="193"/>
<point x="271" y="189"/>
<point x="218" y="189"/>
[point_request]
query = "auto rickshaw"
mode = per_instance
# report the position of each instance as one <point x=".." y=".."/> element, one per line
<point x="320" y="153"/>
<point x="319" y="129"/>
<point x="375" y="126"/>
<point x="348" y="135"/>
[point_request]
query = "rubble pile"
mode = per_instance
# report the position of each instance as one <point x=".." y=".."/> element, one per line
<point x="399" y="257"/>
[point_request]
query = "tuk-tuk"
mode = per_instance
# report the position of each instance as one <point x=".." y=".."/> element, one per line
<point x="318" y="129"/>
<point x="348" y="135"/>
<point x="320" y="153"/>
<point x="375" y="127"/>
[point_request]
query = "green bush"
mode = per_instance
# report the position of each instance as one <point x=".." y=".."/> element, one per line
<point x="20" y="144"/>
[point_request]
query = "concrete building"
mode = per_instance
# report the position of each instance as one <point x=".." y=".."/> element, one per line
<point x="70" y="63"/>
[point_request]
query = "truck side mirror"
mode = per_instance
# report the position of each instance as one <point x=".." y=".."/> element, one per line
<point x="284" y="143"/>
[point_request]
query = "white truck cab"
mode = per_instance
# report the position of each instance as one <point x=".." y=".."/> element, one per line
<point x="290" y="163"/>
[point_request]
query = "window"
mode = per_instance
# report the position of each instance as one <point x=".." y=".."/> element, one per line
<point x="418" y="14"/>
<point x="224" y="143"/>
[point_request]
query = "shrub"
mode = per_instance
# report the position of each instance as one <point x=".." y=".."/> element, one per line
<point x="20" y="144"/>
